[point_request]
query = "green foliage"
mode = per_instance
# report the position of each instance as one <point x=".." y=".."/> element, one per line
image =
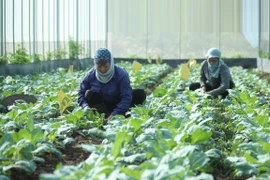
<point x="59" y="53"/>
<point x="173" y="135"/>
<point x="239" y="56"/>
<point x="37" y="57"/>
<point x="20" y="56"/>
<point x="263" y="54"/>
<point x="134" y="56"/>
<point x="3" y="60"/>
<point x="49" y="55"/>
<point x="75" y="49"/>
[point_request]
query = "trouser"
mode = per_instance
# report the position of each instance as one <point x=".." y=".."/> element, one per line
<point x="94" y="100"/>
<point x="197" y="85"/>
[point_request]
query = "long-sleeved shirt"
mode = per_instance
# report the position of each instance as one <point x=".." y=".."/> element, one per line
<point x="118" y="90"/>
<point x="220" y="84"/>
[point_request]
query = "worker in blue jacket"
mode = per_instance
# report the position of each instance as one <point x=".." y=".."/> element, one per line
<point x="106" y="87"/>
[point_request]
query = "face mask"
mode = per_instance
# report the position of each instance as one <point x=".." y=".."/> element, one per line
<point x="213" y="66"/>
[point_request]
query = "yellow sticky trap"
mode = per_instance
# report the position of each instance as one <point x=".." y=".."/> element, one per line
<point x="136" y="65"/>
<point x="184" y="71"/>
<point x="158" y="60"/>
<point x="192" y="63"/>
<point x="149" y="59"/>
<point x="64" y="101"/>
<point x="70" y="70"/>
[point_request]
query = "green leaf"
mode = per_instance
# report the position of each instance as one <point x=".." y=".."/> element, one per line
<point x="266" y="146"/>
<point x="147" y="165"/>
<point x="171" y="144"/>
<point x="202" y="176"/>
<point x="7" y="93"/>
<point x="120" y="139"/>
<point x="78" y="112"/>
<point x="46" y="147"/>
<point x="243" y="169"/>
<point x="213" y="153"/>
<point x="132" y="173"/>
<point x="133" y="159"/>
<point x="166" y="133"/>
<point x="250" y="157"/>
<point x="160" y="92"/>
<point x="69" y="141"/>
<point x="26" y="152"/>
<point x="144" y="137"/>
<point x="200" y="136"/>
<point x="30" y="122"/>
<point x="105" y="170"/>
<point x="197" y="160"/>
<point x="261" y="120"/>
<point x="136" y="123"/>
<point x="22" y="134"/>
<point x="97" y="133"/>
<point x="28" y="166"/>
<point x="90" y="148"/>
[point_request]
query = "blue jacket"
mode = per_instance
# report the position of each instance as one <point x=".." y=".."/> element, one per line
<point x="118" y="90"/>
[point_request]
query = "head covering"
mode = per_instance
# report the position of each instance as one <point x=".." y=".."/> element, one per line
<point x="104" y="56"/>
<point x="213" y="52"/>
<point x="214" y="68"/>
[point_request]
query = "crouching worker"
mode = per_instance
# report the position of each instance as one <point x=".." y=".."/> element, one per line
<point x="106" y="87"/>
<point x="215" y="76"/>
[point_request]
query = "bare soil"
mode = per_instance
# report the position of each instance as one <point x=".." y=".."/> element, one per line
<point x="72" y="155"/>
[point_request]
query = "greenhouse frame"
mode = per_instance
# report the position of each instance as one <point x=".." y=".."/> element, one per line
<point x="134" y="89"/>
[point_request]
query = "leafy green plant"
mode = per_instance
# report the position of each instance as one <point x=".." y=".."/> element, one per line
<point x="59" y="53"/>
<point x="238" y="56"/>
<point x="75" y="49"/>
<point x="263" y="54"/>
<point x="134" y="56"/>
<point x="49" y="55"/>
<point x="37" y="57"/>
<point x="20" y="56"/>
<point x="3" y="60"/>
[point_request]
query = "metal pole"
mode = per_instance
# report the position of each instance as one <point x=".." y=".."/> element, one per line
<point x="1" y="29"/>
<point x="219" y="10"/>
<point x="54" y="41"/>
<point x="43" y="48"/>
<point x="146" y="45"/>
<point x="34" y="29"/>
<point x="49" y="42"/>
<point x="90" y="29"/>
<point x="106" y="23"/>
<point x="29" y="27"/>
<point x="268" y="29"/>
<point x="259" y="10"/>
<point x="77" y="20"/>
<point x="64" y="27"/>
<point x="13" y="26"/>
<point x="4" y="27"/>
<point x="57" y="24"/>
<point x="180" y="30"/>
<point x="22" y="24"/>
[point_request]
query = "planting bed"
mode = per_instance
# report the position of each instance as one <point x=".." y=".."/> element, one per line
<point x="174" y="135"/>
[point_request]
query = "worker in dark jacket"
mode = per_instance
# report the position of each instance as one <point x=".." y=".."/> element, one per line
<point x="106" y="87"/>
<point x="215" y="76"/>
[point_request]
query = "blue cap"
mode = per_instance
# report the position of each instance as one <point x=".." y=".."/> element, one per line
<point x="102" y="56"/>
<point x="213" y="52"/>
